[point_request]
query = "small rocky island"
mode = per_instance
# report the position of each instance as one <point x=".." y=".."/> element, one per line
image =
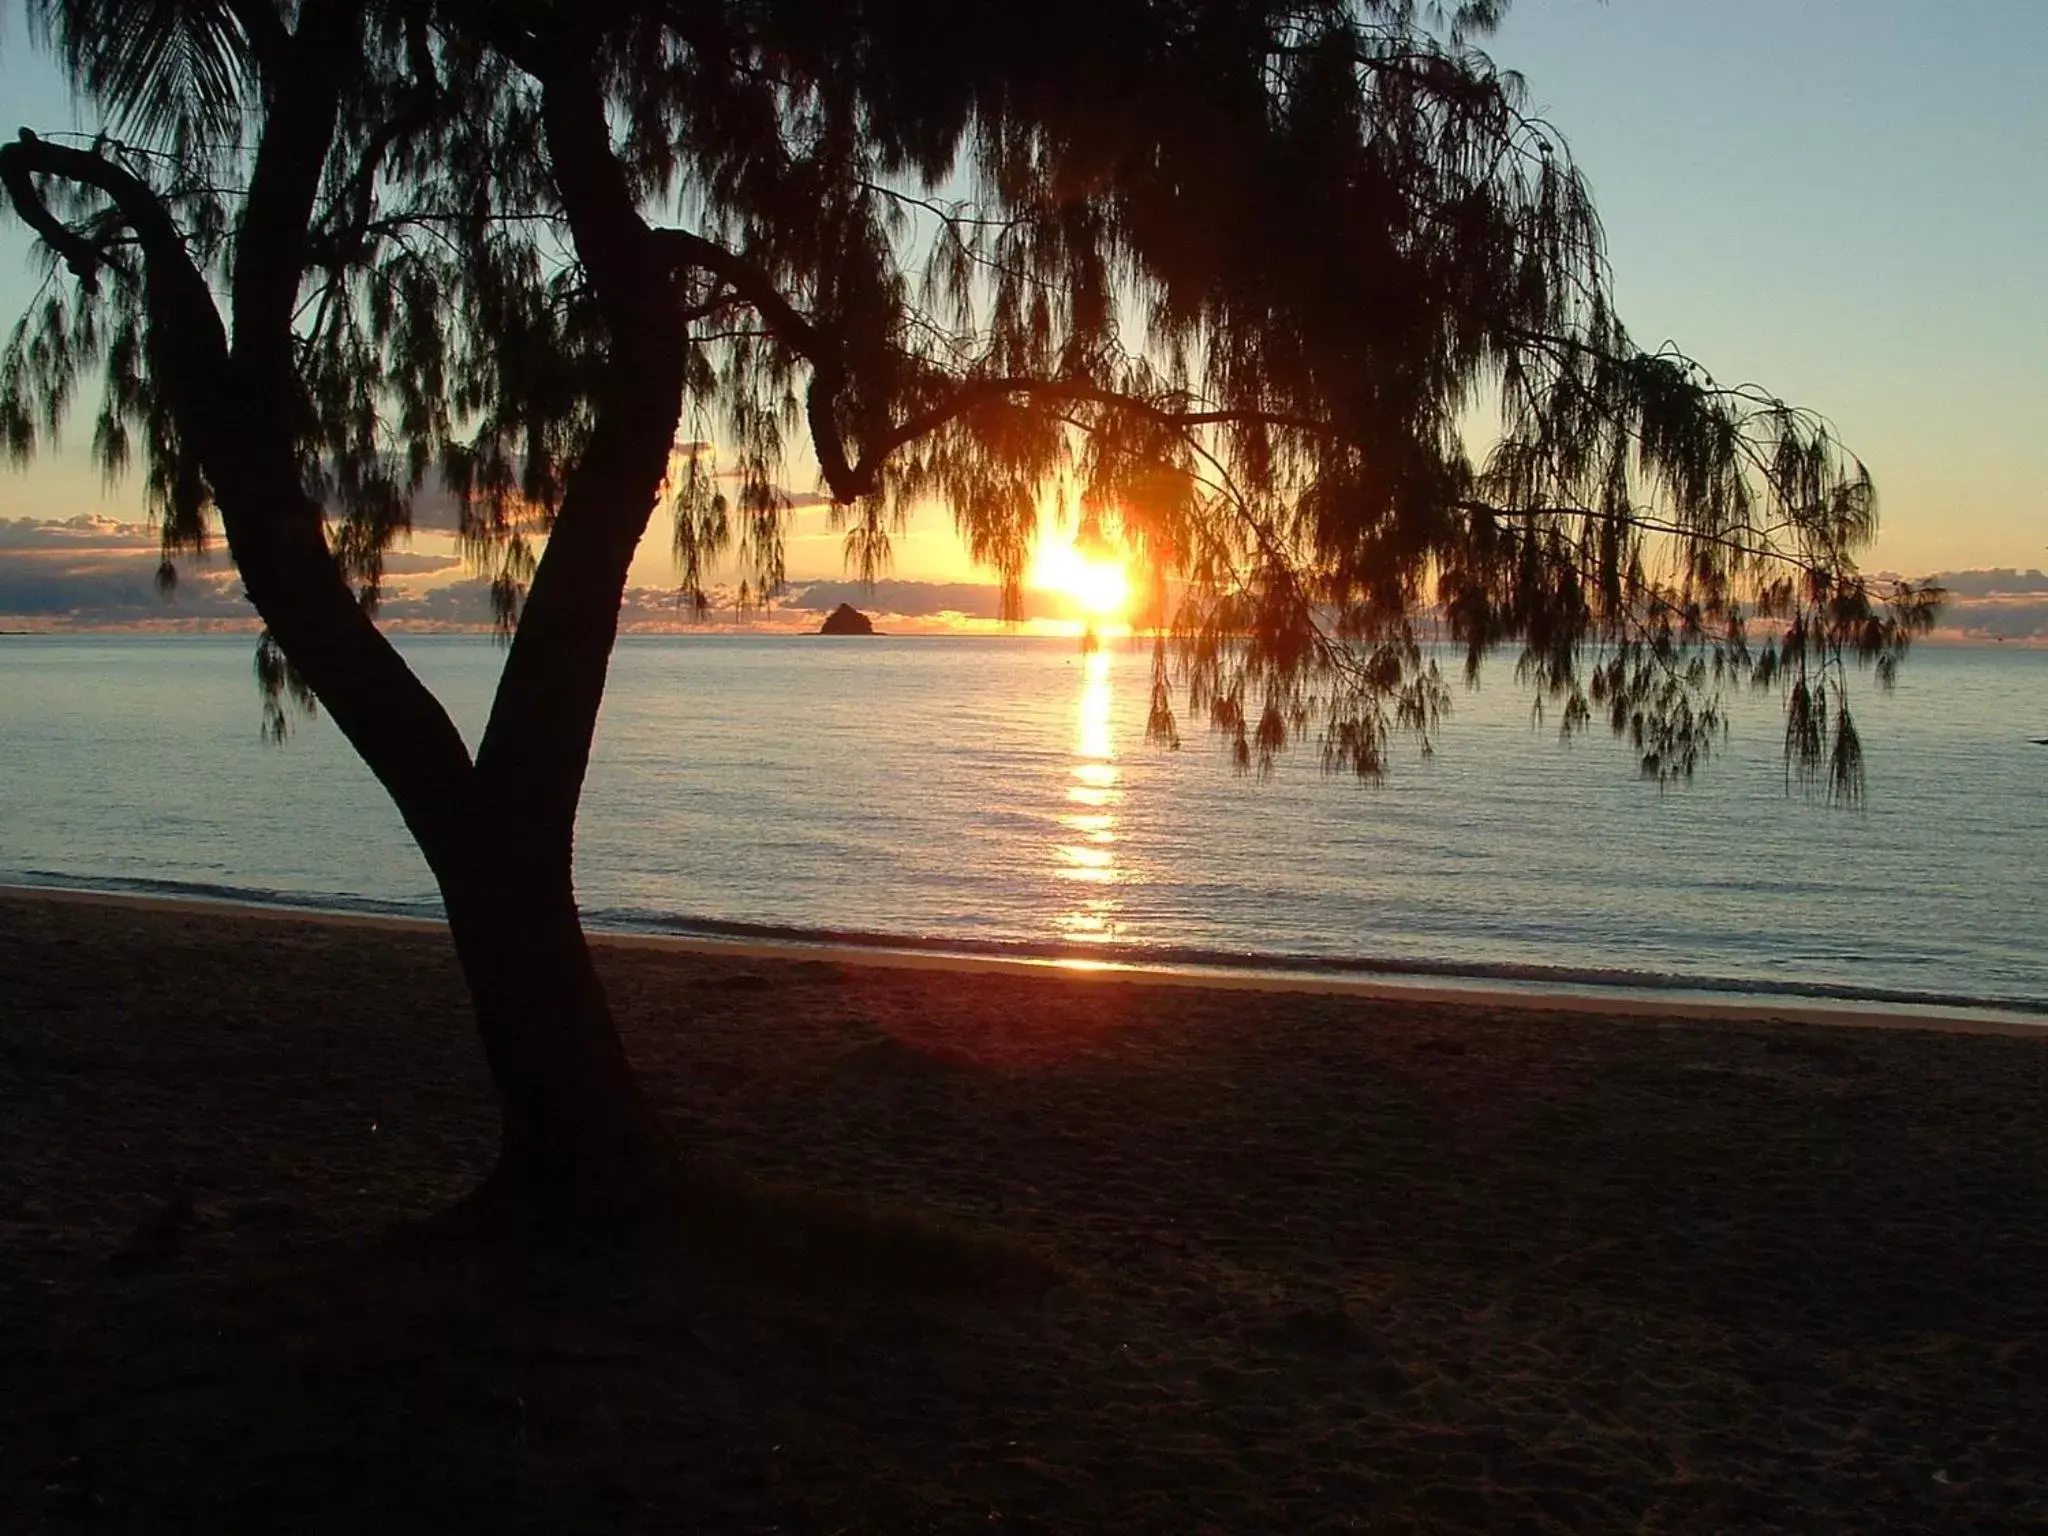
<point x="846" y="620"/>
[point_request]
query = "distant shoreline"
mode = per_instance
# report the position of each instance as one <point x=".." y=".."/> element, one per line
<point x="977" y="629"/>
<point x="1266" y="974"/>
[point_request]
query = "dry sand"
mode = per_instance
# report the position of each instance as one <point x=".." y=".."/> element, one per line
<point x="1315" y="1262"/>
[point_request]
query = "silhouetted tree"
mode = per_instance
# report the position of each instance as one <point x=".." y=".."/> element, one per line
<point x="1239" y="282"/>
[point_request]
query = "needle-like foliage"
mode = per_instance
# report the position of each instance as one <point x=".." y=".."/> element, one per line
<point x="1295" y="301"/>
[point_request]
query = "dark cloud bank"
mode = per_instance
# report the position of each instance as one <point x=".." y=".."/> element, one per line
<point x="94" y="572"/>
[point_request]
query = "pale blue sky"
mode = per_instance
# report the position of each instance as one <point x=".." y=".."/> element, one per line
<point x="1845" y="200"/>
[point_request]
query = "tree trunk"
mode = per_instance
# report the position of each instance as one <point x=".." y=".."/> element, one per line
<point x="579" y="1140"/>
<point x="579" y="1134"/>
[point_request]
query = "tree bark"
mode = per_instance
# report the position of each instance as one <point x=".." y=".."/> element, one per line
<point x="580" y="1139"/>
<point x="577" y="1125"/>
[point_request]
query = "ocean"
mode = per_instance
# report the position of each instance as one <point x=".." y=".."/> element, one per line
<point x="983" y="794"/>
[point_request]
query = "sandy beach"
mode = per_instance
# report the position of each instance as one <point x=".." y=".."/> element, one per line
<point x="1280" y="1261"/>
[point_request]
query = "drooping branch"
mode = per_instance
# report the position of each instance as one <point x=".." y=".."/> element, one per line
<point x="236" y="415"/>
<point x="424" y="102"/>
<point x="141" y="210"/>
<point x="977" y="394"/>
<point x="188" y="342"/>
<point x="797" y="333"/>
<point x="18" y="164"/>
<point x="849" y="481"/>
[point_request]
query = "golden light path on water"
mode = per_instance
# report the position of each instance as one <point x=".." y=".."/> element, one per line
<point x="1086" y="854"/>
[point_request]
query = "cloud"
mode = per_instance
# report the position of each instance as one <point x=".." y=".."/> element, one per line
<point x="798" y="501"/>
<point x="912" y="599"/>
<point x="931" y="599"/>
<point x="71" y="534"/>
<point x="110" y="589"/>
<point x="466" y="605"/>
<point x="2005" y="582"/>
<point x="1996" y="604"/>
<point x="1994" y="618"/>
<point x="410" y="562"/>
<point x="458" y="605"/>
<point x="96" y="572"/>
<point x="436" y="509"/>
<point x="86" y="578"/>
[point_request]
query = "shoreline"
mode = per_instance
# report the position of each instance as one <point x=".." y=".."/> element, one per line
<point x="171" y="628"/>
<point x="1704" y="1004"/>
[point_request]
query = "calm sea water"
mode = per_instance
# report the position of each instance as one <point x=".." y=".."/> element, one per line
<point x="999" y="792"/>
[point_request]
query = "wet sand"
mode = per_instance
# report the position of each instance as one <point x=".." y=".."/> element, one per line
<point x="1304" y="1261"/>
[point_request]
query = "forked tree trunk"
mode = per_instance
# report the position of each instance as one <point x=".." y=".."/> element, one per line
<point x="579" y="1132"/>
<point x="580" y="1138"/>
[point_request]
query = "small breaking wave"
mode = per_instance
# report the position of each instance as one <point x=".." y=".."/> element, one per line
<point x="1190" y="960"/>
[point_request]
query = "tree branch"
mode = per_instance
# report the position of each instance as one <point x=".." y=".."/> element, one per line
<point x="179" y="297"/>
<point x="612" y="239"/>
<point x="271" y="245"/>
<point x="247" y="454"/>
<point x="797" y="332"/>
<point x="140" y="208"/>
<point x="423" y="103"/>
<point x="18" y="162"/>
<point x="975" y="394"/>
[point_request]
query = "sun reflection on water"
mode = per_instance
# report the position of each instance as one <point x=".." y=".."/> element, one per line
<point x="1086" y="850"/>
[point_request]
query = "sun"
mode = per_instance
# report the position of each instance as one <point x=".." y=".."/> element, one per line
<point x="1100" y="588"/>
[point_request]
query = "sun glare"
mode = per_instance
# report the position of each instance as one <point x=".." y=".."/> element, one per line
<point x="1100" y="588"/>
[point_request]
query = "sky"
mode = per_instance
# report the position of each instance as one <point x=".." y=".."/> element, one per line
<point x="1839" y="199"/>
<point x="1844" y="200"/>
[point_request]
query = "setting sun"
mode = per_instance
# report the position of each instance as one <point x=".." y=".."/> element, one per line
<point x="1100" y="587"/>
